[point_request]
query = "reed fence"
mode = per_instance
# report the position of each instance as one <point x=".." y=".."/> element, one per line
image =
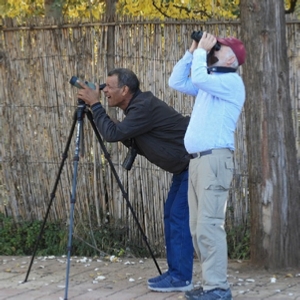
<point x="37" y="106"/>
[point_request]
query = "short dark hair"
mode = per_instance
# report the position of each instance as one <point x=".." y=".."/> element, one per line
<point x="126" y="77"/>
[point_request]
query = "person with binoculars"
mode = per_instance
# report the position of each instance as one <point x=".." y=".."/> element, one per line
<point x="156" y="131"/>
<point x="208" y="71"/>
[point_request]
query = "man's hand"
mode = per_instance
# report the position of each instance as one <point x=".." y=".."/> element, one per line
<point x="193" y="46"/>
<point x="88" y="95"/>
<point x="207" y="41"/>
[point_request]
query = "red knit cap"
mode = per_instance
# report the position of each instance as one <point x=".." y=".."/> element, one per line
<point x="237" y="47"/>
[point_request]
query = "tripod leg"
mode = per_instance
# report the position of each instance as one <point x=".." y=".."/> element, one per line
<point x="80" y="115"/>
<point x="52" y="195"/>
<point x="125" y="195"/>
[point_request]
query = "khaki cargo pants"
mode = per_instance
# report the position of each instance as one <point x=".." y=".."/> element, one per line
<point x="210" y="177"/>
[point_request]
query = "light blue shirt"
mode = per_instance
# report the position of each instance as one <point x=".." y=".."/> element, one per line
<point x="219" y="101"/>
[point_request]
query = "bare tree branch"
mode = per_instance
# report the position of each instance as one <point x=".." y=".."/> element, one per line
<point x="164" y="14"/>
<point x="203" y="12"/>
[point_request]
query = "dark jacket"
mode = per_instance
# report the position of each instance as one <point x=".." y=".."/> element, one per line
<point x="157" y="129"/>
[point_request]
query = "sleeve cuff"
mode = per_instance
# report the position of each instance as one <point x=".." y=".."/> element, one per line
<point x="201" y="56"/>
<point x="96" y="106"/>
<point x="188" y="56"/>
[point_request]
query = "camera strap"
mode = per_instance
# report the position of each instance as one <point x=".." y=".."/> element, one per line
<point x="221" y="69"/>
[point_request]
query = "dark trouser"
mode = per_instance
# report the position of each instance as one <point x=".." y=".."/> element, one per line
<point x="178" y="238"/>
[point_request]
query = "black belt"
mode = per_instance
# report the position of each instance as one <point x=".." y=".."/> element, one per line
<point x="199" y="154"/>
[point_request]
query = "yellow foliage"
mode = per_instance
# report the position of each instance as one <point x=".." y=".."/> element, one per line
<point x="180" y="9"/>
<point x="161" y="9"/>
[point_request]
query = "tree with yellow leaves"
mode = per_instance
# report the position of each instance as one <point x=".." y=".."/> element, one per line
<point x="181" y="9"/>
<point x="159" y="9"/>
<point x="54" y="8"/>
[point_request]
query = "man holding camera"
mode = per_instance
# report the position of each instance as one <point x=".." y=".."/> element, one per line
<point x="156" y="131"/>
<point x="208" y="71"/>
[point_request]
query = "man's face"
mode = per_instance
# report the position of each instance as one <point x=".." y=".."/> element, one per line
<point x="220" y="57"/>
<point x="114" y="94"/>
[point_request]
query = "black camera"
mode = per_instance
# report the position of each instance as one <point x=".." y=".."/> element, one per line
<point x="129" y="159"/>
<point x="74" y="81"/>
<point x="197" y="35"/>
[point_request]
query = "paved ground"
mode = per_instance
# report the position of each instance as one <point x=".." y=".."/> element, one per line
<point x="110" y="278"/>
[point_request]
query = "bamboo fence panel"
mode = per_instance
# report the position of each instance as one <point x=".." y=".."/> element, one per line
<point x="38" y="107"/>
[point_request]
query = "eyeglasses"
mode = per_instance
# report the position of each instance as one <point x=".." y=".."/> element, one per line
<point x="114" y="87"/>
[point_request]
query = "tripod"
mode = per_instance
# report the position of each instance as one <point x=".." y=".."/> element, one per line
<point x="79" y="114"/>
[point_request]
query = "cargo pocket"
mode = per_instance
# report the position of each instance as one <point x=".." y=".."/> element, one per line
<point x="215" y="202"/>
<point x="226" y="173"/>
